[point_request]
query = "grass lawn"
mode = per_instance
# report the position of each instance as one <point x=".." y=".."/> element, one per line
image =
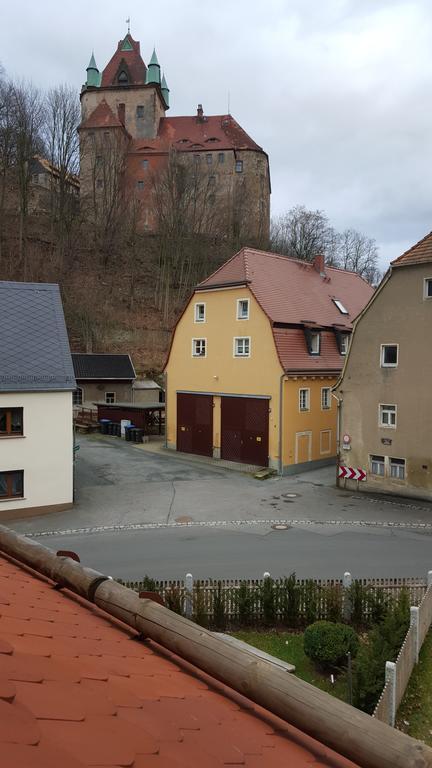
<point x="289" y="647"/>
<point x="415" y="712"/>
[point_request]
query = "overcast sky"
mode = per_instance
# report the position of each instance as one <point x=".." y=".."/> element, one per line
<point x="338" y="92"/>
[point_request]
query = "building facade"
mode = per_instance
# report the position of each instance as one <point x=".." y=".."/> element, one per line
<point x="102" y="378"/>
<point x="36" y="385"/>
<point x="253" y="359"/>
<point x="128" y="142"/>
<point x="385" y="415"/>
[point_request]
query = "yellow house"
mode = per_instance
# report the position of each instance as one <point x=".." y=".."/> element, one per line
<point x="253" y="359"/>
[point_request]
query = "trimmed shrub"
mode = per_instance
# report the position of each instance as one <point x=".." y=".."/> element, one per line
<point x="174" y="600"/>
<point x="219" y="617"/>
<point x="290" y="596"/>
<point x="327" y="644"/>
<point x="268" y="601"/>
<point x="244" y="604"/>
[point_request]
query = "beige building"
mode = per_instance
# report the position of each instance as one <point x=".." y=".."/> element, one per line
<point x="102" y="378"/>
<point x="36" y="384"/>
<point x="385" y="388"/>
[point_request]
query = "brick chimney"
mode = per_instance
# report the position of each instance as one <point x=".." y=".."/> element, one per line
<point x="200" y="114"/>
<point x="319" y="264"/>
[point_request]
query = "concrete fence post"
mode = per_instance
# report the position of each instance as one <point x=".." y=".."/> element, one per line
<point x="415" y="622"/>
<point x="346" y="601"/>
<point x="266" y="575"/>
<point x="188" y="602"/>
<point x="390" y="676"/>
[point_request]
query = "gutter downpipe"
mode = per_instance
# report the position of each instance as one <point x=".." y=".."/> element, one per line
<point x="339" y="401"/>
<point x="166" y="409"/>
<point x="281" y="381"/>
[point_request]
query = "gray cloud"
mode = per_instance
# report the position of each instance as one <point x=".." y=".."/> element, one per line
<point x="336" y="92"/>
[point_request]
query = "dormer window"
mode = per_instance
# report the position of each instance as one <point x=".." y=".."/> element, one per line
<point x="315" y="343"/>
<point x="340" y="306"/>
<point x="344" y="342"/>
<point x="123" y="78"/>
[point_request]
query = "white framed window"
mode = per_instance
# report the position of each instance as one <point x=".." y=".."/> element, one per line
<point x="325" y="398"/>
<point x="304" y="399"/>
<point x="200" y="313"/>
<point x="242" y="346"/>
<point x="387" y="415"/>
<point x="340" y="307"/>
<point x="110" y="398"/>
<point x="315" y="340"/>
<point x="397" y="469"/>
<point x="239" y="166"/>
<point x="377" y="465"/>
<point x="427" y="288"/>
<point x="325" y="441"/>
<point x="199" y="347"/>
<point x="242" y="309"/>
<point x="77" y="396"/>
<point x="389" y="355"/>
<point x="344" y="343"/>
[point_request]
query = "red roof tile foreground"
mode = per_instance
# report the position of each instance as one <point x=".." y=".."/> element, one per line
<point x="420" y="253"/>
<point x="191" y="134"/>
<point x="102" y="117"/>
<point x="291" y="347"/>
<point x="78" y="688"/>
<point x="132" y="59"/>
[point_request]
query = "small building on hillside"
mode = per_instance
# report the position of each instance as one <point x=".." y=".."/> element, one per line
<point x="147" y="391"/>
<point x="385" y="389"/>
<point x="253" y="359"/>
<point x="102" y="377"/>
<point x="36" y="385"/>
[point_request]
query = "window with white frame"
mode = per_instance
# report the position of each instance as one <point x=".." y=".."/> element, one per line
<point x="325" y="398"/>
<point x="340" y="307"/>
<point x="242" y="346"/>
<point x="427" y="288"/>
<point x="389" y="355"/>
<point x="344" y="343"/>
<point x="397" y="469"/>
<point x="377" y="465"/>
<point x="304" y="399"/>
<point x="199" y="347"/>
<point x="77" y="396"/>
<point x="387" y="415"/>
<point x="110" y="397"/>
<point x="315" y="343"/>
<point x="242" y="309"/>
<point x="200" y="313"/>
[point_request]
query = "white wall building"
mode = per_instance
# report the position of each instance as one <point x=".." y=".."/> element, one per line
<point x="36" y="385"/>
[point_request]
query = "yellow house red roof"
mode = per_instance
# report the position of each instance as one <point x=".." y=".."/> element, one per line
<point x="79" y="688"/>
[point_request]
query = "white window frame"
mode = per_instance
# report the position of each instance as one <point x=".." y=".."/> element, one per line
<point x="239" y="316"/>
<point x="110" y="402"/>
<point x="307" y="408"/>
<point x="325" y="407"/>
<point x="381" y="411"/>
<point x="315" y="335"/>
<point x="196" y="318"/>
<point x="389" y="365"/>
<point x="394" y="462"/>
<point x="200" y="339"/>
<point x="325" y="432"/>
<point x="236" y="353"/>
<point x="426" y="281"/>
<point x="76" y="390"/>
<point x="372" y="461"/>
<point x="345" y="337"/>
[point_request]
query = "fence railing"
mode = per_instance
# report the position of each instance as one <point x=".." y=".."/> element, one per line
<point x="399" y="672"/>
<point x="290" y="601"/>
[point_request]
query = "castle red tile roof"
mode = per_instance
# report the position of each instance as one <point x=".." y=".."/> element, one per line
<point x="191" y="134"/>
<point x="294" y="292"/>
<point x="78" y="688"/>
<point x="420" y="253"/>
<point x="102" y="117"/>
<point x="134" y="63"/>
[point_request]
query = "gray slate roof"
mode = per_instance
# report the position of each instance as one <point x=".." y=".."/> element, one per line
<point x="34" y="345"/>
<point x="100" y="366"/>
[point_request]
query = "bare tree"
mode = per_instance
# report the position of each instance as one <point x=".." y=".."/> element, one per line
<point x="302" y="234"/>
<point x="359" y="253"/>
<point x="7" y="146"/>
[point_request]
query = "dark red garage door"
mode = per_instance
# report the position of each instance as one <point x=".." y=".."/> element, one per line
<point x="244" y="430"/>
<point x="195" y="424"/>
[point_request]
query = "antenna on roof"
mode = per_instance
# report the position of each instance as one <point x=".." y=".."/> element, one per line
<point x="128" y="23"/>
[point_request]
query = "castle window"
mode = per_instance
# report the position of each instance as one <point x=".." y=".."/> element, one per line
<point x="140" y="110"/>
<point x="140" y="184"/>
<point x="197" y="158"/>
<point x="99" y="183"/>
<point x="221" y="157"/>
<point x="212" y="180"/>
<point x="123" y="78"/>
<point x="209" y="159"/>
<point x="239" y="166"/>
<point x="98" y="159"/>
<point x="144" y="164"/>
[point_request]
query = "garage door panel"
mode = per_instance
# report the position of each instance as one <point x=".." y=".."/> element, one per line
<point x="195" y="424"/>
<point x="244" y="430"/>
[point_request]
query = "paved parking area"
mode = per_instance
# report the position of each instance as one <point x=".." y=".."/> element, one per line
<point x="120" y="486"/>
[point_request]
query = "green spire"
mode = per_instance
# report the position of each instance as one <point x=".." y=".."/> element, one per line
<point x="126" y="44"/>
<point x="165" y="90"/>
<point x="93" y="74"/>
<point x="153" y="71"/>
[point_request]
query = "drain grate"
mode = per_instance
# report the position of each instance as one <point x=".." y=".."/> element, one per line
<point x="290" y="495"/>
<point x="281" y="527"/>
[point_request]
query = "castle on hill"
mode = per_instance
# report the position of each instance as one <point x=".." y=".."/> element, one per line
<point x="126" y="139"/>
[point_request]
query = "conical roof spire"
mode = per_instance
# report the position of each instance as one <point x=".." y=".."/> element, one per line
<point x="93" y="74"/>
<point x="92" y="63"/>
<point x="153" y="71"/>
<point x="165" y="90"/>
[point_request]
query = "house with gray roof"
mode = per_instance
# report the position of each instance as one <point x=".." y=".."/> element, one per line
<point x="102" y="377"/>
<point x="36" y="384"/>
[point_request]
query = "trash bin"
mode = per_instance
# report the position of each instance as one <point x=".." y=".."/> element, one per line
<point x="117" y="430"/>
<point x="104" y="426"/>
<point x="138" y="435"/>
<point x="128" y="432"/>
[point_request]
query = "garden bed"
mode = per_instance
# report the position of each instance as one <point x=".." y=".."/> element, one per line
<point x="415" y="713"/>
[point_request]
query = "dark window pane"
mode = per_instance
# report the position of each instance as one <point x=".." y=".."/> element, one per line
<point x="390" y="355"/>
<point x="3" y="484"/>
<point x="2" y="420"/>
<point x="429" y="287"/>
<point x="17" y="484"/>
<point x="17" y="421"/>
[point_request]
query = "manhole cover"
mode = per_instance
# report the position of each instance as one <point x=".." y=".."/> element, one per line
<point x="183" y="519"/>
<point x="281" y="527"/>
<point x="290" y="495"/>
